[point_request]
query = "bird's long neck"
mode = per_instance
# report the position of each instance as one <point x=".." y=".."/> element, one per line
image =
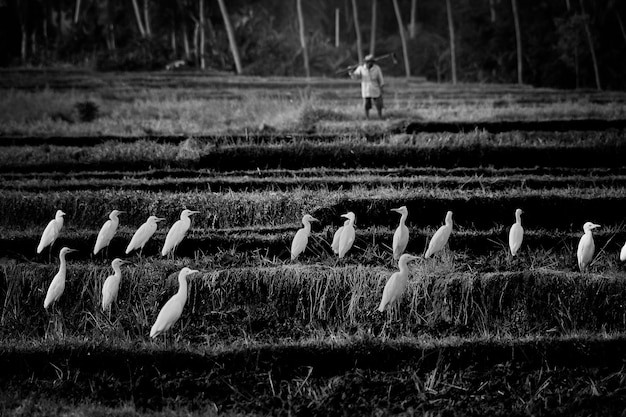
<point x="63" y="264"/>
<point x="404" y="268"/>
<point x="114" y="220"/>
<point x="351" y="222"/>
<point x="117" y="271"/>
<point x="518" y="218"/>
<point x="307" y="226"/>
<point x="449" y="221"/>
<point x="182" y="287"/>
<point x="186" y="220"/>
<point x="59" y="222"/>
<point x="403" y="219"/>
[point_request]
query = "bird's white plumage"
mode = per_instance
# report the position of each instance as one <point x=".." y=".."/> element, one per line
<point x="586" y="246"/>
<point x="300" y="240"/>
<point x="177" y="232"/>
<point x="111" y="285"/>
<point x="441" y="236"/>
<point x="57" y="286"/>
<point x="516" y="233"/>
<point x="173" y="309"/>
<point x="401" y="235"/>
<point x="396" y="284"/>
<point x="335" y="245"/>
<point x="622" y="254"/>
<point x="51" y="232"/>
<point x="143" y="234"/>
<point x="107" y="231"/>
<point x="346" y="239"/>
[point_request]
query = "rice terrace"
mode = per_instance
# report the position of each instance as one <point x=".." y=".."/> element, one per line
<point x="477" y="331"/>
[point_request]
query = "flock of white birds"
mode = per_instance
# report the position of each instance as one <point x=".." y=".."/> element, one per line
<point x="343" y="240"/>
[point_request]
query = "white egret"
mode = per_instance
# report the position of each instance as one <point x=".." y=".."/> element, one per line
<point x="401" y="236"/>
<point x="622" y="254"/>
<point x="107" y="231"/>
<point x="336" y="236"/>
<point x="396" y="284"/>
<point x="177" y="232"/>
<point x="111" y="285"/>
<point x="57" y="286"/>
<point x="346" y="239"/>
<point x="173" y="309"/>
<point x="516" y="233"/>
<point x="300" y="240"/>
<point x="143" y="234"/>
<point x="441" y="236"/>
<point x="586" y="247"/>
<point x="51" y="232"/>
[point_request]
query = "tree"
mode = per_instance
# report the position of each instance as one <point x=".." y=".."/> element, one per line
<point x="518" y="41"/>
<point x="405" y="51"/>
<point x="140" y="26"/>
<point x="591" y="47"/>
<point x="413" y="22"/>
<point x="373" y="28"/>
<point x="357" y="30"/>
<point x="305" y="53"/>
<point x="231" y="37"/>
<point x="201" y="23"/>
<point x="452" y="40"/>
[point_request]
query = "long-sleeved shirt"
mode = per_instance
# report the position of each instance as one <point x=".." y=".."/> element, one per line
<point x="371" y="80"/>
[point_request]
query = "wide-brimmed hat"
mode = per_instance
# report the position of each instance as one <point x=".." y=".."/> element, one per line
<point x="369" y="58"/>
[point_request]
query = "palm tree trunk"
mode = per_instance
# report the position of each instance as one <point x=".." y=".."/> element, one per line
<point x="518" y="41"/>
<point x="405" y="51"/>
<point x="413" y="23"/>
<point x="591" y="47"/>
<point x="357" y="30"/>
<point x="373" y="28"/>
<point x="77" y="12"/>
<point x="146" y="17"/>
<point x="305" y="52"/>
<point x="201" y="22"/>
<point x="142" y="31"/>
<point x="452" y="40"/>
<point x="337" y="27"/>
<point x="231" y="37"/>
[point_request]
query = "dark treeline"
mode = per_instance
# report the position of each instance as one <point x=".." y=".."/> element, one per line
<point x="557" y="43"/>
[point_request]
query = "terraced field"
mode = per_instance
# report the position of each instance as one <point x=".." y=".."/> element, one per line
<point x="477" y="332"/>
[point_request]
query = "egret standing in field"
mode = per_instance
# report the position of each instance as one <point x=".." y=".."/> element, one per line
<point x="57" y="286"/>
<point x="346" y="239"/>
<point x="143" y="234"/>
<point x="586" y="247"/>
<point x="622" y="254"/>
<point x="335" y="245"/>
<point x="173" y="309"/>
<point x="300" y="240"/>
<point x="111" y="285"/>
<point x="441" y="236"/>
<point x="177" y="232"/>
<point x="516" y="233"/>
<point x="51" y="232"/>
<point x="107" y="231"/>
<point x="396" y="284"/>
<point x="401" y="236"/>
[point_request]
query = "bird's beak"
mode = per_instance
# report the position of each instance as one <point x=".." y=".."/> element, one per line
<point x="396" y="210"/>
<point x="72" y="250"/>
<point x="160" y="219"/>
<point x="313" y="219"/>
<point x="121" y="211"/>
<point x="194" y="212"/>
<point x="595" y="226"/>
<point x="344" y="215"/>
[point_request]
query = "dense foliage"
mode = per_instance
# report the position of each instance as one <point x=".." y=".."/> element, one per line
<point x="105" y="35"/>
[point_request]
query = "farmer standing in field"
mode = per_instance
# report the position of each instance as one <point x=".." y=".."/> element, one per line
<point x="372" y="83"/>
